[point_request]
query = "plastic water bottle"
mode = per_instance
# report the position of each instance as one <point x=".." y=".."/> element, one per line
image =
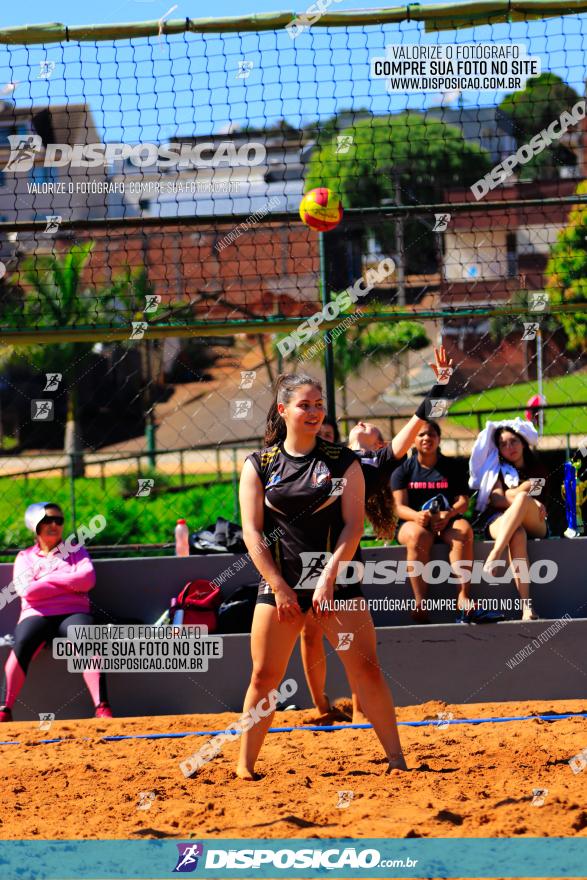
<point x="182" y="544"/>
<point x="175" y="613"/>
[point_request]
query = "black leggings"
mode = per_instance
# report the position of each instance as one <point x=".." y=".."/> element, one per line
<point x="29" y="635"/>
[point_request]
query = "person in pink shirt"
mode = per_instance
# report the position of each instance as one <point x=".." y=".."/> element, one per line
<point x="53" y="590"/>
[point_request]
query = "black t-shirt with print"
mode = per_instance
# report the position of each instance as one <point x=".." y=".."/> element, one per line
<point x="377" y="467"/>
<point x="295" y="487"/>
<point x="448" y="477"/>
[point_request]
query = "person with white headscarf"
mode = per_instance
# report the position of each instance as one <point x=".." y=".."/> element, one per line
<point x="53" y="588"/>
<point x="512" y="496"/>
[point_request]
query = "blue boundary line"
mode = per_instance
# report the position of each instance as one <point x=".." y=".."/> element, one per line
<point x="315" y="727"/>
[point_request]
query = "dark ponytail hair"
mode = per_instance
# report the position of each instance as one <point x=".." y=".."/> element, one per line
<point x="530" y="458"/>
<point x="285" y="386"/>
<point x="380" y="510"/>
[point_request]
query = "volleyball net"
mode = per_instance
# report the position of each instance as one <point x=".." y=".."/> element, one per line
<point x="152" y="254"/>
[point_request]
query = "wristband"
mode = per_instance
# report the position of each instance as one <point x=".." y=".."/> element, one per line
<point x="436" y="392"/>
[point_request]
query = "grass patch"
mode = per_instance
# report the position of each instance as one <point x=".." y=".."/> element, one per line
<point x="145" y="520"/>
<point x="566" y="389"/>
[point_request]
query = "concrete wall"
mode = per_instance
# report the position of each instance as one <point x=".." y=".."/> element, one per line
<point x="445" y="661"/>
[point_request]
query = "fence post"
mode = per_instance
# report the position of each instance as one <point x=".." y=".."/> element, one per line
<point x="72" y="489"/>
<point x="218" y="471"/>
<point x="328" y="349"/>
<point x="151" y="445"/>
<point x="234" y="486"/>
<point x="181" y="473"/>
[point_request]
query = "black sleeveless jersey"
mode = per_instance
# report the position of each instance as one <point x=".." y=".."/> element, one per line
<point x="295" y="487"/>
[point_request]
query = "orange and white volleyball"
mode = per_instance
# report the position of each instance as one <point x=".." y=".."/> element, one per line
<point x="321" y="209"/>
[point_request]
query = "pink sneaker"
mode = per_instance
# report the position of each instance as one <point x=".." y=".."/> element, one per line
<point x="103" y="710"/>
<point x="5" y="714"/>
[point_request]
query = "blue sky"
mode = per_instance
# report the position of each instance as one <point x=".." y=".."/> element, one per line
<point x="152" y="89"/>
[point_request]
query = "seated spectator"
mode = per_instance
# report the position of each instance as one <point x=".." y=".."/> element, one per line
<point x="430" y="480"/>
<point x="54" y="595"/>
<point x="512" y="496"/>
<point x="329" y="430"/>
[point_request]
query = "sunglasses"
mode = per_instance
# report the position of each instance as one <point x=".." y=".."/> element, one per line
<point x="52" y="520"/>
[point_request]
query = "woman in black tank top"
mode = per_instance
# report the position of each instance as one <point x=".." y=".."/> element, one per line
<point x="378" y="460"/>
<point x="305" y="498"/>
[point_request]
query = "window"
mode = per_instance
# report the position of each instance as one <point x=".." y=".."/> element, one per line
<point x="512" y="255"/>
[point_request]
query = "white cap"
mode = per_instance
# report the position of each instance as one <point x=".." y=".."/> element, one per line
<point x="35" y="513"/>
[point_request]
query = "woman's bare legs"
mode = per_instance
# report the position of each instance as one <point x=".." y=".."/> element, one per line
<point x="314" y="662"/>
<point x="459" y="537"/>
<point x="518" y="550"/>
<point x="364" y="673"/>
<point x="272" y="644"/>
<point x="523" y="511"/>
<point x="418" y="543"/>
<point x="359" y="716"/>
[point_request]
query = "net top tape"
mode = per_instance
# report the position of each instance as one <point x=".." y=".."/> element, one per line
<point x="435" y="18"/>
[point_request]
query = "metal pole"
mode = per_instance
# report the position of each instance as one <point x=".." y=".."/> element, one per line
<point x="149" y="403"/>
<point x="399" y="239"/>
<point x="234" y="486"/>
<point x="328" y="349"/>
<point x="72" y="489"/>
<point x="539" y="372"/>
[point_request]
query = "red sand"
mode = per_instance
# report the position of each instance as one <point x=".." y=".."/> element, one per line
<point x="465" y="781"/>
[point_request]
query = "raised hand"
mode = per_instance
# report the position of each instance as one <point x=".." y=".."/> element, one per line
<point x="441" y="363"/>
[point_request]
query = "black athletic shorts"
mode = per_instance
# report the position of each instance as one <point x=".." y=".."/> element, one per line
<point x="353" y="591"/>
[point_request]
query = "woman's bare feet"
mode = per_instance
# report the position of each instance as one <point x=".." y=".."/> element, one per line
<point x="528" y="612"/>
<point x="244" y="773"/>
<point x="464" y="603"/>
<point x="397" y="763"/>
<point x="419" y="616"/>
<point x="323" y="705"/>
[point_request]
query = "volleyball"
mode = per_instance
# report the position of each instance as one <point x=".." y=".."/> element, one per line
<point x="321" y="209"/>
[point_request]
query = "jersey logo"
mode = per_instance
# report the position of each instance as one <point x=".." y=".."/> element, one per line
<point x="330" y="450"/>
<point x="273" y="479"/>
<point x="321" y="474"/>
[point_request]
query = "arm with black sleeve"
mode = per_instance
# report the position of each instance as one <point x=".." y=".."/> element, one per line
<point x="404" y="439"/>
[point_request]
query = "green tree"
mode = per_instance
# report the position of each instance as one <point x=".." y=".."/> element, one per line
<point x="357" y="345"/>
<point x="324" y="132"/>
<point x="503" y="326"/>
<point x="53" y="296"/>
<point x="48" y="292"/>
<point x="422" y="156"/>
<point x="534" y="108"/>
<point x="566" y="274"/>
